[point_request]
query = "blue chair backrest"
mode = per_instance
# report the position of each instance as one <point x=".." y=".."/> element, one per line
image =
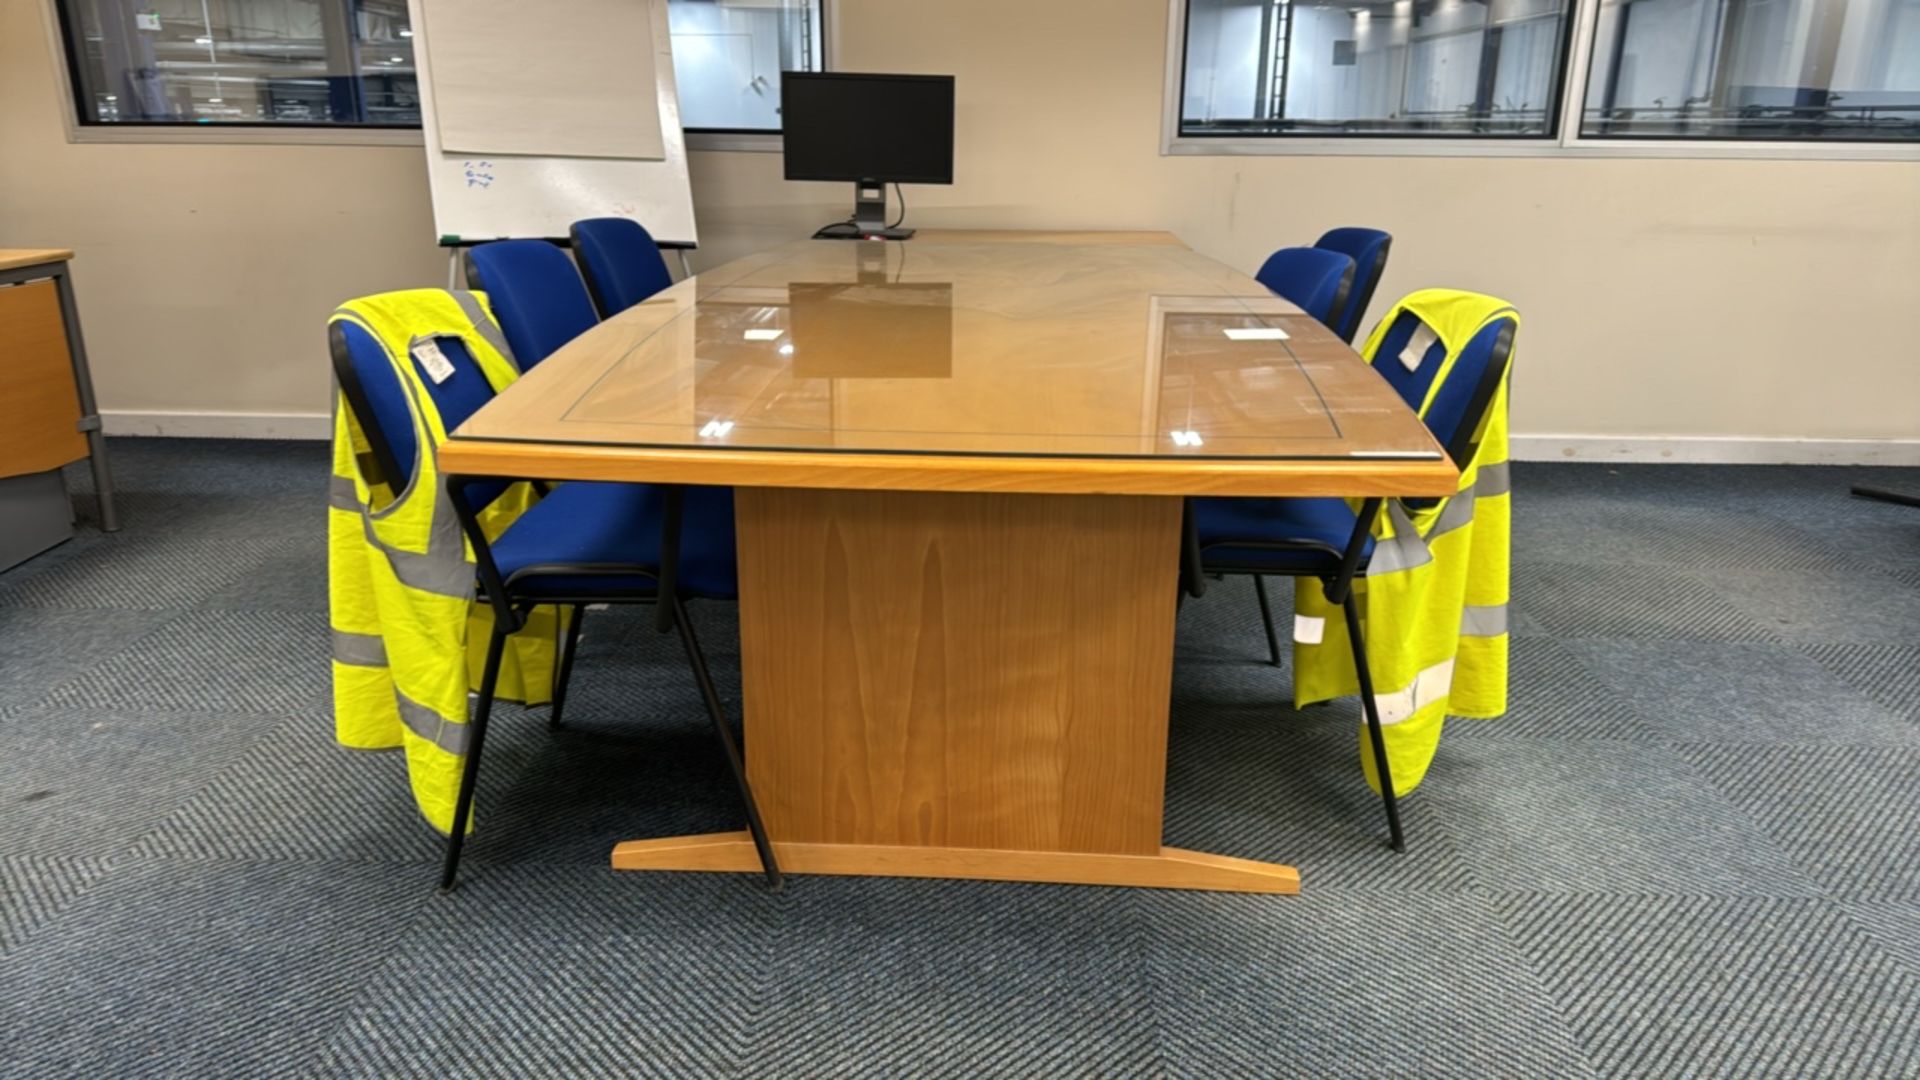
<point x="620" y="261"/>
<point x="536" y="294"/>
<point x="1454" y="418"/>
<point x="380" y="403"/>
<point x="1368" y="250"/>
<point x="1315" y="280"/>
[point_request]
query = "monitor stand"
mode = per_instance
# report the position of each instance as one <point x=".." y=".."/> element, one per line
<point x="870" y="213"/>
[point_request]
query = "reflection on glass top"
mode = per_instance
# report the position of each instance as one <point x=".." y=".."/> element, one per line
<point x="933" y="346"/>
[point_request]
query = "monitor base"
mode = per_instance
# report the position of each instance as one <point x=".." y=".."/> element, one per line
<point x="846" y="231"/>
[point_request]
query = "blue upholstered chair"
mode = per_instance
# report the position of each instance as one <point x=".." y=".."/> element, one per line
<point x="1315" y="281"/>
<point x="1368" y="250"/>
<point x="1326" y="538"/>
<point x="620" y="261"/>
<point x="582" y="543"/>
<point x="536" y="294"/>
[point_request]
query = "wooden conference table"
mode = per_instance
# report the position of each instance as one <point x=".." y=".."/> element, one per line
<point x="959" y="464"/>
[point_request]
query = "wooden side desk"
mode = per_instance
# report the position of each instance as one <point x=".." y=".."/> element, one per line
<point x="959" y="464"/>
<point x="46" y="397"/>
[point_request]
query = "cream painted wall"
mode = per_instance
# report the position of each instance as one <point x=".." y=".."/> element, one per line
<point x="1661" y="297"/>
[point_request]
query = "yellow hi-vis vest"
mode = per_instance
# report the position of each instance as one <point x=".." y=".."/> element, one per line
<point x="408" y="639"/>
<point x="1433" y="604"/>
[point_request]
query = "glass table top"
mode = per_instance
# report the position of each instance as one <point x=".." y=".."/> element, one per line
<point x="962" y="345"/>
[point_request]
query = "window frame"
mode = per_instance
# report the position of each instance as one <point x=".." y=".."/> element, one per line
<point x="66" y="76"/>
<point x="1568" y="142"/>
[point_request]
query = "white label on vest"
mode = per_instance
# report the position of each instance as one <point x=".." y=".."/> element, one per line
<point x="435" y="362"/>
<point x="1416" y="350"/>
<point x="1309" y="629"/>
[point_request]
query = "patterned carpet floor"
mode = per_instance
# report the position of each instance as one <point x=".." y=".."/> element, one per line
<point x="1693" y="847"/>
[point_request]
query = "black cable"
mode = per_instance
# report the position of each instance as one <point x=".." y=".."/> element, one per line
<point x="902" y="196"/>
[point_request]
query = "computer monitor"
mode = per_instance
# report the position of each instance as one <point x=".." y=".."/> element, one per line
<point x="872" y="130"/>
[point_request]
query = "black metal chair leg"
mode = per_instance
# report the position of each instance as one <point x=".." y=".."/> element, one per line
<point x="1372" y="710"/>
<point x="1266" y="619"/>
<point x="570" y="646"/>
<point x="698" y="662"/>
<point x="469" y="774"/>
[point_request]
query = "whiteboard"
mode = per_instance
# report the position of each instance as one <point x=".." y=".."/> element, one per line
<point x="479" y="197"/>
<point x="493" y="95"/>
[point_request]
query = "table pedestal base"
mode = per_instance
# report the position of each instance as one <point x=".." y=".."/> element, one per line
<point x="1171" y="868"/>
<point x="967" y="685"/>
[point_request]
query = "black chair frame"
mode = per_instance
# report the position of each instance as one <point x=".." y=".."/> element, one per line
<point x="1338" y="587"/>
<point x="510" y="609"/>
<point x="1362" y="293"/>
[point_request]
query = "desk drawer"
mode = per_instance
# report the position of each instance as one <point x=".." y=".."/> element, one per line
<point x="37" y="396"/>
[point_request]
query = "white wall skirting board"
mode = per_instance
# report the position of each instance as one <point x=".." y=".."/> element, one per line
<point x="1630" y="449"/>
<point x="1715" y="450"/>
<point x="218" y="425"/>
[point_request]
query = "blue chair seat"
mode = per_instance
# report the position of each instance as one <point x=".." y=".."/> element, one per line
<point x="1222" y="524"/>
<point x="595" y="524"/>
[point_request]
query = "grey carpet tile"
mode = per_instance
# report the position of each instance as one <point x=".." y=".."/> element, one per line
<point x="1716" y="692"/>
<point x="1324" y="985"/>
<point x="1849" y="816"/>
<point x="652" y="769"/>
<point x="1574" y="601"/>
<point x="1048" y="982"/>
<point x="280" y="583"/>
<point x="297" y="795"/>
<point x="560" y="971"/>
<point x="1862" y="607"/>
<point x="1287" y="788"/>
<point x="1712" y="986"/>
<point x="1551" y="695"/>
<point x="173" y="969"/>
<point x="270" y="662"/>
<point x="1796" y="495"/>
<point x="1224" y="625"/>
<point x="34" y="889"/>
<point x="122" y="572"/>
<point x="1665" y="534"/>
<point x="240" y="467"/>
<point x="1889" y="672"/>
<point x="1602" y="817"/>
<point x="91" y="782"/>
<point x="40" y="649"/>
<point x="1895" y="924"/>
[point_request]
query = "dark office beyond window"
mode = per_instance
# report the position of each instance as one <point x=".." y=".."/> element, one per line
<point x="269" y="62"/>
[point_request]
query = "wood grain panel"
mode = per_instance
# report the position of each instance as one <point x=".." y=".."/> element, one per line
<point x="37" y="396"/>
<point x="958" y="670"/>
<point x="1167" y="868"/>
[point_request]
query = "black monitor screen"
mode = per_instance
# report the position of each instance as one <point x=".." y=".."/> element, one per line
<point x="840" y="126"/>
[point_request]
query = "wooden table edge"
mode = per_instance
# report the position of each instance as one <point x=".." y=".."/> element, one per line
<point x="934" y="472"/>
<point x="19" y="258"/>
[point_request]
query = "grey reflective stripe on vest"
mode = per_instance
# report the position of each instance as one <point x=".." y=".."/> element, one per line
<point x="1493" y="480"/>
<point x="341" y="494"/>
<point x="431" y="726"/>
<point x="362" y="650"/>
<point x="1483" y="620"/>
<point x="1408" y="548"/>
<point x="434" y="571"/>
<point x="1404" y="551"/>
<point x="482" y="325"/>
